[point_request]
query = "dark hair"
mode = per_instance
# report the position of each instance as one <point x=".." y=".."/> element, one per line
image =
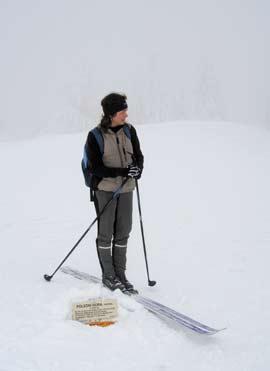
<point x="111" y="104"/>
<point x="105" y="122"/>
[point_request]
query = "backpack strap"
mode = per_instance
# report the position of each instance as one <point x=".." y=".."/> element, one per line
<point x="99" y="138"/>
<point x="127" y="131"/>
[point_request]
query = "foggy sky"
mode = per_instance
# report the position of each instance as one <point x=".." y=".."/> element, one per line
<point x="175" y="60"/>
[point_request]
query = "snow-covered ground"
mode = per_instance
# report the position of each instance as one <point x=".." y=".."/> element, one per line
<point x="205" y="203"/>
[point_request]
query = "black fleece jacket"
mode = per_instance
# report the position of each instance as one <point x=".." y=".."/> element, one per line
<point x="96" y="164"/>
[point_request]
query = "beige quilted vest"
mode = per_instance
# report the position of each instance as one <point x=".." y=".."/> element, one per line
<point x="117" y="149"/>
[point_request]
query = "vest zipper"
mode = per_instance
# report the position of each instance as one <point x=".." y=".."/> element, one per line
<point x="125" y="154"/>
<point x="117" y="140"/>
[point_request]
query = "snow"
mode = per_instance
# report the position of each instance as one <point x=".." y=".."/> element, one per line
<point x="205" y="204"/>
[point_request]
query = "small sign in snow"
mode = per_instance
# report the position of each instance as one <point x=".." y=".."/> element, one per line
<point x="100" y="312"/>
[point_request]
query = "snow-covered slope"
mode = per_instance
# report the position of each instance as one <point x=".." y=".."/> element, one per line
<point x="205" y="202"/>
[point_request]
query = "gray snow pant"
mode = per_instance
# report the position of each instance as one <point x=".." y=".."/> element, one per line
<point x="114" y="227"/>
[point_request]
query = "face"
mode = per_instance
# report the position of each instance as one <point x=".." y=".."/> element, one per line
<point x="120" y="117"/>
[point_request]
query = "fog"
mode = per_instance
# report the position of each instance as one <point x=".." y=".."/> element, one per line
<point x="175" y="60"/>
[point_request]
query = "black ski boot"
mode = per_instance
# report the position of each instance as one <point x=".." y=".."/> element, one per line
<point x="119" y="262"/>
<point x="129" y="287"/>
<point x="109" y="279"/>
<point x="113" y="283"/>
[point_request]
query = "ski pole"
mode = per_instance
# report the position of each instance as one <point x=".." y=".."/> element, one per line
<point x="115" y="194"/>
<point x="150" y="283"/>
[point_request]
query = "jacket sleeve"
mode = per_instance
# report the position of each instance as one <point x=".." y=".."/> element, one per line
<point x="97" y="166"/>
<point x="136" y="148"/>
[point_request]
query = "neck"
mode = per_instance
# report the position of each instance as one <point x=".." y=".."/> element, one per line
<point x="117" y="123"/>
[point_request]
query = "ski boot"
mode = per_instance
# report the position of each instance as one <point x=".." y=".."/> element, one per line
<point x="128" y="286"/>
<point x="119" y="262"/>
<point x="113" y="283"/>
<point x="109" y="279"/>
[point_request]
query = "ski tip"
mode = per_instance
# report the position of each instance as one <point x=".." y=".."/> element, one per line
<point x="216" y="331"/>
<point x="222" y="329"/>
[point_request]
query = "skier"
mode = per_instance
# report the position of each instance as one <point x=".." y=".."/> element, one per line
<point x="121" y="158"/>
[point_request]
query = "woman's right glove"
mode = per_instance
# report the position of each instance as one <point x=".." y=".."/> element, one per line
<point x="134" y="172"/>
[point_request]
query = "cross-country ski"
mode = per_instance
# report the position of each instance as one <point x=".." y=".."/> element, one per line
<point x="159" y="309"/>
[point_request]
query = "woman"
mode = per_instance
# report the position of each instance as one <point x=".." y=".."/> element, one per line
<point x="121" y="158"/>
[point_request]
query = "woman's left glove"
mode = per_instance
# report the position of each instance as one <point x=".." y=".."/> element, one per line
<point x="134" y="172"/>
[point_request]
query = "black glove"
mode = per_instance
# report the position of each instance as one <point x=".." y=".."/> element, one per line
<point x="134" y="172"/>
